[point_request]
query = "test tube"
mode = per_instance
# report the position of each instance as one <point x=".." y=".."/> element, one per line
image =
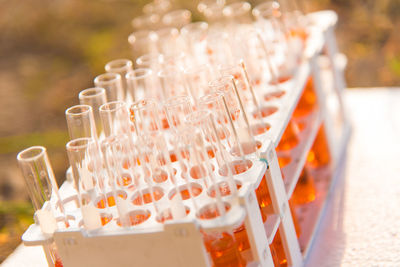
<point x="94" y="97"/>
<point x="194" y="34"/>
<point x="237" y="118"/>
<point x="157" y="7"/>
<point x="197" y="79"/>
<point x="85" y="159"/>
<point x="121" y="67"/>
<point x="169" y="41"/>
<point x="126" y="173"/>
<point x="238" y="12"/>
<point x="43" y="191"/>
<point x="146" y="22"/>
<point x="212" y="10"/>
<point x="146" y="117"/>
<point x="115" y="118"/>
<point x="238" y="162"/>
<point x="141" y="84"/>
<point x="177" y="18"/>
<point x="112" y="83"/>
<point x="143" y="42"/>
<point x="172" y="82"/>
<point x="80" y="121"/>
<point x="176" y="109"/>
<point x="224" y="247"/>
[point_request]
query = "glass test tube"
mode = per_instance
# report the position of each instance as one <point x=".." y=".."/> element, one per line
<point x="85" y="159"/>
<point x="237" y="115"/>
<point x="121" y="67"/>
<point x="94" y="97"/>
<point x="224" y="246"/>
<point x="43" y="191"/>
<point x="177" y="18"/>
<point x="172" y="82"/>
<point x="146" y="22"/>
<point x="239" y="164"/>
<point x="176" y="109"/>
<point x="142" y="84"/>
<point x="197" y="79"/>
<point x="115" y="118"/>
<point x="143" y="42"/>
<point x="80" y="121"/>
<point x="112" y="83"/>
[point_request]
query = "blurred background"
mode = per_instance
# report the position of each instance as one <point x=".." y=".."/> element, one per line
<point x="52" y="50"/>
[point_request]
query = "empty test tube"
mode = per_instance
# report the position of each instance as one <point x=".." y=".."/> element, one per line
<point x="43" y="191"/>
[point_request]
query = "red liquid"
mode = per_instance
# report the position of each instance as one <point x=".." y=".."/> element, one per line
<point x="58" y="263"/>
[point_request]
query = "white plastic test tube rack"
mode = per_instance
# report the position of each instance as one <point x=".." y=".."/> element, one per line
<point x="180" y="243"/>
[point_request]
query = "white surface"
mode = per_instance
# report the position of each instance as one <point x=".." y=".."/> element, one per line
<point x="362" y="224"/>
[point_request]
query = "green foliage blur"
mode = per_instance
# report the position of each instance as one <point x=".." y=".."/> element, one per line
<point x="52" y="49"/>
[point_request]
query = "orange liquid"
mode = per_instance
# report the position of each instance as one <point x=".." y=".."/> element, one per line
<point x="124" y="181"/>
<point x="110" y="200"/>
<point x="185" y="194"/>
<point x="305" y="190"/>
<point x="138" y="218"/>
<point x="224" y="189"/>
<point x="260" y="128"/>
<point x="223" y="250"/>
<point x="289" y="138"/>
<point x="308" y="100"/>
<point x="299" y="32"/>
<point x="281" y="79"/>
<point x="146" y="197"/>
<point x="265" y="112"/>
<point x="278" y="252"/>
<point x="105" y="219"/>
<point x="236" y="167"/>
<point x="247" y="148"/>
<point x="319" y="154"/>
<point x="160" y="176"/>
<point x="241" y="237"/>
<point x="295" y="220"/>
<point x="283" y="161"/>
<point x="274" y="95"/>
<point x="199" y="171"/>
<point x="58" y="263"/>
<point x="264" y="199"/>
